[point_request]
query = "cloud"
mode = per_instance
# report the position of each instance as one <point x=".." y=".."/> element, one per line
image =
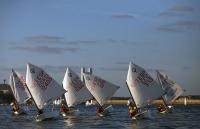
<point x="177" y="9"/>
<point x="48" y="68"/>
<point x="167" y="13"/>
<point x="166" y="28"/>
<point x="6" y="69"/>
<point x="45" y="39"/>
<point x="113" y="69"/>
<point x="180" y="26"/>
<point x="123" y="16"/>
<point x="122" y="63"/>
<point x="182" y="8"/>
<point x="186" y="68"/>
<point x="56" y="40"/>
<point x="75" y="42"/>
<point x="60" y="69"/>
<point x="46" y="49"/>
<point x="188" y="24"/>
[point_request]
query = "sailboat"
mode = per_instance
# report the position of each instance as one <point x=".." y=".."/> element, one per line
<point x="172" y="89"/>
<point x="101" y="90"/>
<point x="20" y="92"/>
<point x="76" y="90"/>
<point x="44" y="90"/>
<point x="143" y="89"/>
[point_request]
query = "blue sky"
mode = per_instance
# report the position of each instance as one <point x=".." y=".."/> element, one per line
<point x="105" y="35"/>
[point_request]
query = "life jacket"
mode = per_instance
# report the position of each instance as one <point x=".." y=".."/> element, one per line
<point x="161" y="108"/>
<point x="64" y="109"/>
<point x="132" y="111"/>
<point x="100" y="109"/>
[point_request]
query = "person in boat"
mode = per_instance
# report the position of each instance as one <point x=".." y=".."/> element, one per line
<point x="161" y="108"/>
<point x="15" y="107"/>
<point x="132" y="110"/>
<point x="63" y="108"/>
<point x="100" y="109"/>
<point x="40" y="112"/>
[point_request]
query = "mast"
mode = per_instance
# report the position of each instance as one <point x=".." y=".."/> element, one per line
<point x="132" y="97"/>
<point x="11" y="77"/>
<point x="165" y="104"/>
<point x="32" y="98"/>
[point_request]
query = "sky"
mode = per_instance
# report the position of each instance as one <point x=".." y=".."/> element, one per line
<point x="105" y="35"/>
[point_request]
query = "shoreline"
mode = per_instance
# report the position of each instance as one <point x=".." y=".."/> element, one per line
<point x="180" y="101"/>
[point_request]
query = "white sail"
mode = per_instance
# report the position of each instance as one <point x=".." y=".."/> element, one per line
<point x="12" y="84"/>
<point x="99" y="88"/>
<point x="19" y="87"/>
<point x="23" y="81"/>
<point x="76" y="90"/>
<point x="44" y="89"/>
<point x="172" y="89"/>
<point x="142" y="86"/>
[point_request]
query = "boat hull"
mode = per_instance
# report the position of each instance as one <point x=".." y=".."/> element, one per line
<point x="107" y="111"/>
<point x="142" y="115"/>
<point x="70" y="113"/>
<point x="47" y="116"/>
<point x="19" y="112"/>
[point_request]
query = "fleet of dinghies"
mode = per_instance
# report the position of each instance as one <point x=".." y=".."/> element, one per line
<point x="44" y="90"/>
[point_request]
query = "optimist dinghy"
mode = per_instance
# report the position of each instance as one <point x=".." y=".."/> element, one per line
<point x="44" y="90"/>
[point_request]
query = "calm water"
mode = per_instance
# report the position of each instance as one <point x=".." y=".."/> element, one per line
<point x="184" y="117"/>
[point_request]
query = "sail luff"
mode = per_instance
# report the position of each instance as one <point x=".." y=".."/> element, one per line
<point x="12" y="84"/>
<point x="131" y="96"/>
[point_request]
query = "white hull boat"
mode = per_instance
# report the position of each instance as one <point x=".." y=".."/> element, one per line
<point x="142" y="115"/>
<point x="47" y="116"/>
<point x="107" y="111"/>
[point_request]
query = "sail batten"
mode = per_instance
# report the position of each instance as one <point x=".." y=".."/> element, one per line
<point x="76" y="90"/>
<point x="143" y="88"/>
<point x="102" y="90"/>
<point x="44" y="89"/>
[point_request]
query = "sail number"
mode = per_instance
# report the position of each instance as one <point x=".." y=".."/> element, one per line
<point x="98" y="82"/>
<point x="77" y="84"/>
<point x="43" y="80"/>
<point x="20" y="81"/>
<point x="23" y="81"/>
<point x="144" y="78"/>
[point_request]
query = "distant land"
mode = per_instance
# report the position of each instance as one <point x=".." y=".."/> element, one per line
<point x="6" y="97"/>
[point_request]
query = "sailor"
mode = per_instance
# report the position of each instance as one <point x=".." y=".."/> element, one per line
<point x="15" y="107"/>
<point x="161" y="108"/>
<point x="40" y="112"/>
<point x="131" y="108"/>
<point x="63" y="108"/>
<point x="100" y="109"/>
